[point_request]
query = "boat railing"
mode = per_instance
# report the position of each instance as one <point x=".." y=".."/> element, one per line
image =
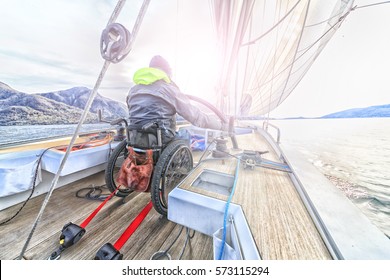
<point x="18" y="143"/>
<point x="265" y="127"/>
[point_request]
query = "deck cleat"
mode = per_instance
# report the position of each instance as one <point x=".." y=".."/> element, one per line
<point x="108" y="252"/>
<point x="250" y="159"/>
<point x="70" y="235"/>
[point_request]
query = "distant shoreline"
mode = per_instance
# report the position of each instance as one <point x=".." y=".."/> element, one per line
<point x="241" y="119"/>
<point x="311" y="118"/>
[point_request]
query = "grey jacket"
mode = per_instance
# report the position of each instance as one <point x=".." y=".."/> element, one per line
<point x="154" y="99"/>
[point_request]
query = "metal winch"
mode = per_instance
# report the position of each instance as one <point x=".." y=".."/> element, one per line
<point x="221" y="150"/>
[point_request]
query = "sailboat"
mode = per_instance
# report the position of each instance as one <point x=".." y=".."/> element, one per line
<point x="247" y="197"/>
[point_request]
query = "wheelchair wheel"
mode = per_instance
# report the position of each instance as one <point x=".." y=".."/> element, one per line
<point x="114" y="164"/>
<point x="173" y="165"/>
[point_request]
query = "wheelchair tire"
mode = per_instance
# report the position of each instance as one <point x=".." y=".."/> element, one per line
<point x="113" y="166"/>
<point x="173" y="165"/>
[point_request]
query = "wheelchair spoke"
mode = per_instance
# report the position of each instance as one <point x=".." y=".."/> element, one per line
<point x="178" y="168"/>
<point x="114" y="164"/>
<point x="173" y="166"/>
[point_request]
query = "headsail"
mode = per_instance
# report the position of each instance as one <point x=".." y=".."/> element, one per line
<point x="267" y="47"/>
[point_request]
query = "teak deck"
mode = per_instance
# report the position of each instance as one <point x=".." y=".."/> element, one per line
<point x="279" y="222"/>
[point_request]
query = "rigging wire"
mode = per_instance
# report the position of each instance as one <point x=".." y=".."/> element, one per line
<point x="250" y="52"/>
<point x="296" y="52"/>
<point x="373" y="4"/>
<point x="273" y="68"/>
<point x="308" y="48"/>
<point x="324" y="21"/>
<point x="296" y="58"/>
<point x="247" y="59"/>
<point x="339" y="22"/>
<point x="65" y="157"/>
<point x="258" y="70"/>
<point x="273" y="27"/>
<point x="225" y="25"/>
<point x="106" y="64"/>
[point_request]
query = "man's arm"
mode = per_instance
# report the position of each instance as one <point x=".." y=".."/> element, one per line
<point x="192" y="114"/>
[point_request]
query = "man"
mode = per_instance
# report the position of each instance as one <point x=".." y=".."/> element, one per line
<point x="156" y="99"/>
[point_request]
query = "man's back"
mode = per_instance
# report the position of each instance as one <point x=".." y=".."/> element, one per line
<point x="155" y="98"/>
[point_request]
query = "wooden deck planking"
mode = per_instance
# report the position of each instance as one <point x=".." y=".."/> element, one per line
<point x="154" y="233"/>
<point x="198" y="248"/>
<point x="106" y="227"/>
<point x="63" y="205"/>
<point x="281" y="226"/>
<point x="279" y="222"/>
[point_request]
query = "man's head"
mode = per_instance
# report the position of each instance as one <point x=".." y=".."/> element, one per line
<point x="159" y="62"/>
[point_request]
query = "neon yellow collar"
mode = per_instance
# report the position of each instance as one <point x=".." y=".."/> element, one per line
<point x="148" y="75"/>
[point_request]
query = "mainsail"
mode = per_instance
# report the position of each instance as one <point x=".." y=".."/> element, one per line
<point x="267" y="47"/>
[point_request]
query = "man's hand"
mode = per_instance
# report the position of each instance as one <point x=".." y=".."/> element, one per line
<point x="225" y="127"/>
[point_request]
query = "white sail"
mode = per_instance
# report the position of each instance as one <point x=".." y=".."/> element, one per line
<point x="267" y="47"/>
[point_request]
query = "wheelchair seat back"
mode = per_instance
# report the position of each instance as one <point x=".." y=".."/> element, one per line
<point x="145" y="137"/>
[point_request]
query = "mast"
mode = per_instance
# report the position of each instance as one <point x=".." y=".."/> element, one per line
<point x="232" y="19"/>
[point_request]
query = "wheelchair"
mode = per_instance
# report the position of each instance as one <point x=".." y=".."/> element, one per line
<point x="172" y="163"/>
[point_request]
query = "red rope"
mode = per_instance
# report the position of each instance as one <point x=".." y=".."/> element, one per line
<point x="133" y="226"/>
<point x="93" y="214"/>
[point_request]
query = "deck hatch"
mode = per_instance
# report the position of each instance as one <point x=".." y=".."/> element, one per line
<point x="214" y="181"/>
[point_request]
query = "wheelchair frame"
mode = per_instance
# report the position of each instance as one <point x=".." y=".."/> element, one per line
<point x="173" y="164"/>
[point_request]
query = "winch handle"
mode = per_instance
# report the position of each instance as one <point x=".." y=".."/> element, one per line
<point x="232" y="133"/>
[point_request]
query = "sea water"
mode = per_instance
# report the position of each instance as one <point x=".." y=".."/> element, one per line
<point x="353" y="153"/>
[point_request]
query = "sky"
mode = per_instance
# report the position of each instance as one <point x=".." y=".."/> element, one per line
<point x="51" y="45"/>
<point x="351" y="72"/>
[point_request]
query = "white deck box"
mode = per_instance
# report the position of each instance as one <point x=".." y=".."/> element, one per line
<point x="17" y="172"/>
<point x="77" y="160"/>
